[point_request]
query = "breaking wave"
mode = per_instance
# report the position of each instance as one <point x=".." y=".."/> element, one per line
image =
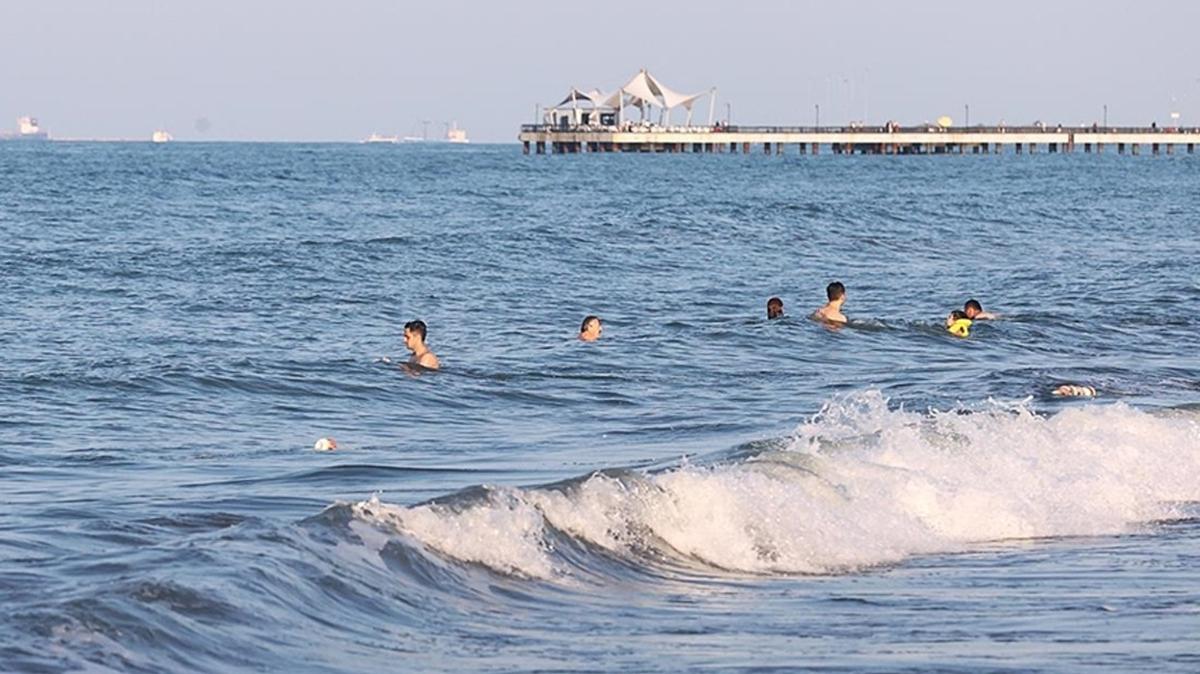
<point x="859" y="485"/>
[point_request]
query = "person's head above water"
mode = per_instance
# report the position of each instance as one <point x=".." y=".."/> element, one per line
<point x="414" y="334"/>
<point x="774" y="307"/>
<point x="972" y="308"/>
<point x="835" y="291"/>
<point x="590" y="329"/>
<point x="414" y="340"/>
<point x="958" y="323"/>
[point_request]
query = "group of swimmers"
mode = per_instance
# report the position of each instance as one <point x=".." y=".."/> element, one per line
<point x="958" y="323"/>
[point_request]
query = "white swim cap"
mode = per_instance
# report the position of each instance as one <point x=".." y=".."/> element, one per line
<point x="325" y="445"/>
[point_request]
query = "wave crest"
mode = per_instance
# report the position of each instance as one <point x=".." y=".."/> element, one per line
<point x="858" y="485"/>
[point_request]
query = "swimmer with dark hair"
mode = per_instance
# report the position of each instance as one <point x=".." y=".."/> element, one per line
<point x="958" y="324"/>
<point x="832" y="311"/>
<point x="974" y="311"/>
<point x="774" y="308"/>
<point x="414" y="340"/>
<point x="590" y="329"/>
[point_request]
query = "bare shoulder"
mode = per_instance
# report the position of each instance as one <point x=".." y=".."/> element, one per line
<point x="430" y="361"/>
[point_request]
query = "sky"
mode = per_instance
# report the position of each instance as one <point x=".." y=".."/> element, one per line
<point x="310" y="70"/>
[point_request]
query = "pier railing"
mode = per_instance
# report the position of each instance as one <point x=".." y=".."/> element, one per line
<point x="854" y="129"/>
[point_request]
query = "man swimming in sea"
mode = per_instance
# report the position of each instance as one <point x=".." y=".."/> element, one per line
<point x="974" y="311"/>
<point x="774" y="308"/>
<point x="590" y="329"/>
<point x="414" y="340"/>
<point x="832" y="311"/>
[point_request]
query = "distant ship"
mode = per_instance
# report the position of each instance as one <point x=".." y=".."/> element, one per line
<point x="455" y="134"/>
<point x="377" y="138"/>
<point x="27" y="129"/>
<point x="161" y="136"/>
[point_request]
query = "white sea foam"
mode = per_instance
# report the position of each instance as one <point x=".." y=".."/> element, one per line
<point x="859" y="485"/>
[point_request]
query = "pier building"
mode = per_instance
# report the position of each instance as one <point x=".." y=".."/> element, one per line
<point x="594" y="121"/>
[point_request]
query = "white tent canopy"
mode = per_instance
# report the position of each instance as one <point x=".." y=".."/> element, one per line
<point x="644" y="92"/>
<point x="575" y="98"/>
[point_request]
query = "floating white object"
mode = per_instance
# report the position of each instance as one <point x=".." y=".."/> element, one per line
<point x="1075" y="391"/>
<point x="325" y="445"/>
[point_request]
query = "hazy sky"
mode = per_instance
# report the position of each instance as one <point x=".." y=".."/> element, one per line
<point x="325" y="70"/>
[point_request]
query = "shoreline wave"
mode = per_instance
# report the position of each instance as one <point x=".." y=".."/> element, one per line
<point x="859" y="485"/>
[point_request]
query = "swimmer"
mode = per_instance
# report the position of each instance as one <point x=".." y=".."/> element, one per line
<point x="832" y="311"/>
<point x="958" y="324"/>
<point x="1074" y="391"/>
<point x="974" y="311"/>
<point x="774" y="308"/>
<point x="590" y="329"/>
<point x="414" y="340"/>
<point x="325" y="445"/>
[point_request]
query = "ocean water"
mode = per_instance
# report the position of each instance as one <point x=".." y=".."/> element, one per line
<point x="700" y="490"/>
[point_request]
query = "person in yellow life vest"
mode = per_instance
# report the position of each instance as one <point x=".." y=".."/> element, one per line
<point x="958" y="324"/>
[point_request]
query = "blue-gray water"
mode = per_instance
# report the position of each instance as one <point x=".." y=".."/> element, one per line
<point x="699" y="490"/>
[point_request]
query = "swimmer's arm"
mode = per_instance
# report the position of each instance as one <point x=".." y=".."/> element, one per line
<point x="986" y="316"/>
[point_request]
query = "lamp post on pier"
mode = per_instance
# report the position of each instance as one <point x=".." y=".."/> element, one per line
<point x="967" y="114"/>
<point x="818" y="107"/>
<point x="1106" y="115"/>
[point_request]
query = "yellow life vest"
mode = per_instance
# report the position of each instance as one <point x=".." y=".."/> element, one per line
<point x="960" y="327"/>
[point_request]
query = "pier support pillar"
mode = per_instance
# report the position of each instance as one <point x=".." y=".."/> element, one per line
<point x="1018" y="148"/>
<point x="541" y="147"/>
<point x="1052" y="148"/>
<point x="1087" y="148"/>
<point x="1135" y="148"/>
<point x="1154" y="148"/>
<point x="778" y="148"/>
<point x="766" y="148"/>
<point x="1191" y="148"/>
<point x="816" y="148"/>
<point x="1120" y="148"/>
<point x="525" y="147"/>
<point x="1170" y="148"/>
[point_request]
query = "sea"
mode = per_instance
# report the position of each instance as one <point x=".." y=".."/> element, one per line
<point x="702" y="489"/>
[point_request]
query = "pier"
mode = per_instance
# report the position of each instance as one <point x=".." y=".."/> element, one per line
<point x="887" y="140"/>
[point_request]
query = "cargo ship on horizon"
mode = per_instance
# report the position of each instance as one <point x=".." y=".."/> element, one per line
<point x="28" y="130"/>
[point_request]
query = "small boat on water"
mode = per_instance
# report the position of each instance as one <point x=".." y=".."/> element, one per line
<point x="455" y="134"/>
<point x="378" y="138"/>
<point x="27" y="129"/>
<point x="161" y="136"/>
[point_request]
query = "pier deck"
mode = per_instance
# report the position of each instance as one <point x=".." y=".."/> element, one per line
<point x="854" y="140"/>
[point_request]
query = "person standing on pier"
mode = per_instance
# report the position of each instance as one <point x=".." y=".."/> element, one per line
<point x="832" y="311"/>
